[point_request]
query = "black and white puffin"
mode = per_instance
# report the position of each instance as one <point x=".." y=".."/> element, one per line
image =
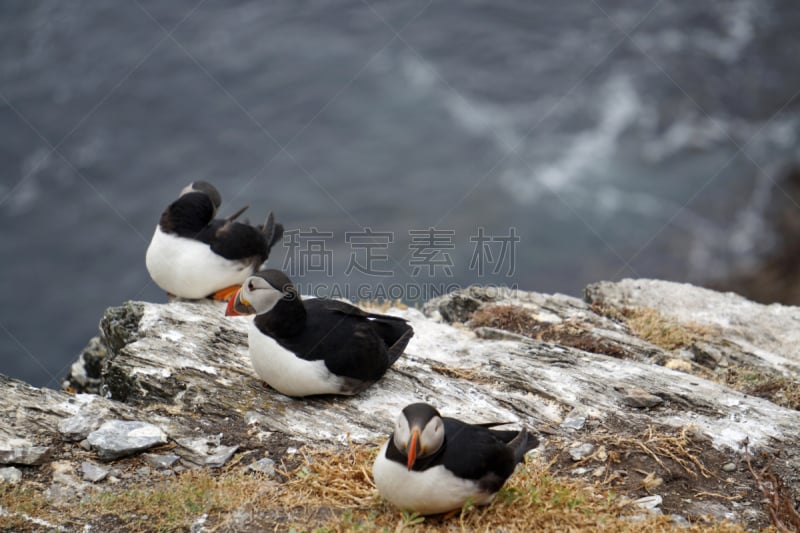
<point x="316" y="346"/>
<point x="194" y="255"/>
<point x="433" y="464"/>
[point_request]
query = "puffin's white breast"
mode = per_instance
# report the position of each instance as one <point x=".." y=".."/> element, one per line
<point x="435" y="490"/>
<point x="287" y="373"/>
<point x="188" y="268"/>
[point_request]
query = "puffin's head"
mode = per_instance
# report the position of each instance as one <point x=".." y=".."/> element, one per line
<point x="260" y="293"/>
<point x="419" y="432"/>
<point x="206" y="188"/>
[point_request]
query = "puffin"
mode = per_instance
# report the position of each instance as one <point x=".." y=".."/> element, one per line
<point x="315" y="346"/>
<point x="193" y="255"/>
<point x="432" y="464"/>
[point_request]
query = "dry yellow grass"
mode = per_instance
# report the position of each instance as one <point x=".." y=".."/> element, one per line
<point x="333" y="491"/>
<point x="511" y="318"/>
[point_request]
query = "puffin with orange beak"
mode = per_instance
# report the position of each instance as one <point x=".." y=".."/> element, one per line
<point x="315" y="346"/>
<point x="433" y="464"/>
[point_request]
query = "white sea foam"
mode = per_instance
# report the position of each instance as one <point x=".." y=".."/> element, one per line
<point x="494" y="122"/>
<point x="619" y="107"/>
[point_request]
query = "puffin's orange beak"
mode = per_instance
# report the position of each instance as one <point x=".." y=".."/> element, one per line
<point x="230" y="309"/>
<point x="412" y="448"/>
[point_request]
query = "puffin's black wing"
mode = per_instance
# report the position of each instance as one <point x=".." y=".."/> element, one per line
<point x="478" y="453"/>
<point x="395" y="332"/>
<point x="347" y="338"/>
<point x="235" y="241"/>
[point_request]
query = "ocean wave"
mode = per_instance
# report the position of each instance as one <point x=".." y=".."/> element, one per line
<point x="618" y="107"/>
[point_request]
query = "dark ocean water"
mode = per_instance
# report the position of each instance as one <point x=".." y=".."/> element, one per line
<point x="615" y="139"/>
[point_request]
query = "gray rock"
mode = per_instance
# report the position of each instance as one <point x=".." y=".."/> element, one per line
<point x="160" y="460"/>
<point x="85" y="374"/>
<point x="204" y="451"/>
<point x="494" y="334"/>
<point x="66" y="486"/>
<point x="187" y="356"/>
<point x="78" y="427"/>
<point x="575" y="420"/>
<point x="199" y="522"/>
<point x="679" y="521"/>
<point x="264" y="465"/>
<point x="579" y="450"/>
<point x="93" y="472"/>
<point x="762" y="336"/>
<point x="119" y="438"/>
<point x="460" y="307"/>
<point x="649" y="502"/>
<point x="641" y="399"/>
<point x="143" y="471"/>
<point x="183" y="367"/>
<point x="10" y="475"/>
<point x="22" y="452"/>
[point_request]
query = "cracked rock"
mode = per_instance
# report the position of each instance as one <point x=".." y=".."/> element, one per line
<point x="10" y="475"/>
<point x="160" y="460"/>
<point x="204" y="453"/>
<point x="78" y="427"/>
<point x="22" y="452"/>
<point x="93" y="472"/>
<point x="641" y="399"/>
<point x="119" y="438"/>
<point x="265" y="465"/>
<point x="580" y="450"/>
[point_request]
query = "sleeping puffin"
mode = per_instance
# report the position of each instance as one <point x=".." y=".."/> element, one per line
<point x="316" y="346"/>
<point x="433" y="464"/>
<point x="193" y="255"/>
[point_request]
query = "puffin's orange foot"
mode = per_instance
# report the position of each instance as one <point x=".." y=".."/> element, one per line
<point x="223" y="295"/>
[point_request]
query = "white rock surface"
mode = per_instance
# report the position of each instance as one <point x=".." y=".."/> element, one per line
<point x="118" y="438"/>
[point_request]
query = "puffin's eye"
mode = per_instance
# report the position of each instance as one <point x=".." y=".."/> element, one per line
<point x="250" y="286"/>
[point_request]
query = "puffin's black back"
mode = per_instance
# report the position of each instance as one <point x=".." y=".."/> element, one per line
<point x="475" y="452"/>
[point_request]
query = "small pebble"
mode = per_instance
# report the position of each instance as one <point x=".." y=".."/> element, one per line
<point x="265" y="465"/>
<point x="729" y="467"/>
<point x="641" y="399"/>
<point x="580" y="450"/>
<point x="160" y="460"/>
<point x="93" y="472"/>
<point x="10" y="475"/>
<point x="679" y="520"/>
<point x="574" y="420"/>
<point x="649" y="502"/>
